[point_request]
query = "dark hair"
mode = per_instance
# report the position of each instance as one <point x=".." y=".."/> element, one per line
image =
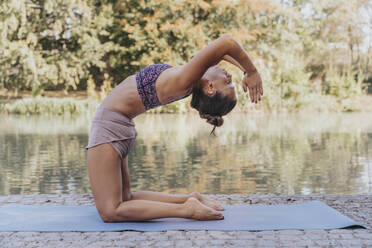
<point x="211" y="108"/>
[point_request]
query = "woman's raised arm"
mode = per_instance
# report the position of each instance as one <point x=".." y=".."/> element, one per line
<point x="233" y="61"/>
<point x="199" y="64"/>
<point x="225" y="48"/>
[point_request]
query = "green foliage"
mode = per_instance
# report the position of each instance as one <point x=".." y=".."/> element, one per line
<point x="343" y="86"/>
<point x="89" y="45"/>
<point x="51" y="43"/>
<point x="180" y="106"/>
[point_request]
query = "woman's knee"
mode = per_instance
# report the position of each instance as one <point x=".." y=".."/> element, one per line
<point x="108" y="215"/>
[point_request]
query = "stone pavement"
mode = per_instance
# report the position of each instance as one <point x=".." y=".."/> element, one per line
<point x="357" y="207"/>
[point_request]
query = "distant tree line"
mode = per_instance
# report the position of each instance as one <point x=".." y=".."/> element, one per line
<point x="302" y="47"/>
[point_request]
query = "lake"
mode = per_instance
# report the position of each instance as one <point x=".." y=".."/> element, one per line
<point x="252" y="153"/>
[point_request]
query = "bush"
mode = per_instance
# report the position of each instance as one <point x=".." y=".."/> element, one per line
<point x="50" y="106"/>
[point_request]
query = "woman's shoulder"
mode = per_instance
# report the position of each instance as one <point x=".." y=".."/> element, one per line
<point x="171" y="74"/>
<point x="169" y="86"/>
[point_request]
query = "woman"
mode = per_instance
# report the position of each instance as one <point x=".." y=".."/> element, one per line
<point x="113" y="133"/>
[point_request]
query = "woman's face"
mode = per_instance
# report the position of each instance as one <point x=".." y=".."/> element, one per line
<point x="221" y="82"/>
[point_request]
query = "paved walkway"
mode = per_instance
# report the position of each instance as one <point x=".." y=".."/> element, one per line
<point x="357" y="207"/>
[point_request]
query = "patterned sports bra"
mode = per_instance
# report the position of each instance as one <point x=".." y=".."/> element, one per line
<point x="145" y="80"/>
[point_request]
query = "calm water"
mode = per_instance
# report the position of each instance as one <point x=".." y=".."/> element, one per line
<point x="287" y="154"/>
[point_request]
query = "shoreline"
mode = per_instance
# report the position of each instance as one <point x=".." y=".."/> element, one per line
<point x="77" y="103"/>
<point x="355" y="206"/>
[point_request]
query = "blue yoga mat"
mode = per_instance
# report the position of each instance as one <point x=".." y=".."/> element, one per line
<point x="48" y="218"/>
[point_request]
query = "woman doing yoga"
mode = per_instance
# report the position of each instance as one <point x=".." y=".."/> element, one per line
<point x="113" y="132"/>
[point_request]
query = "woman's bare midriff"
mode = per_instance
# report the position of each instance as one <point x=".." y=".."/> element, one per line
<point x="125" y="98"/>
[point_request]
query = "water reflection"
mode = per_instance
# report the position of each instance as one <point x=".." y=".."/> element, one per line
<point x="288" y="154"/>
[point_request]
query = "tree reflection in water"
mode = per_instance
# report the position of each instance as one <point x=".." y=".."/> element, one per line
<point x="287" y="154"/>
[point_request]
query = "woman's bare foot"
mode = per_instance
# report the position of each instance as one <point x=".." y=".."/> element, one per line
<point x="198" y="211"/>
<point x="208" y="202"/>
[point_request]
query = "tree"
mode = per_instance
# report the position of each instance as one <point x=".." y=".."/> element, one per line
<point x="51" y="43"/>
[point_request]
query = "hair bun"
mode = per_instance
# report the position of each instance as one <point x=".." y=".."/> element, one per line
<point x="213" y="119"/>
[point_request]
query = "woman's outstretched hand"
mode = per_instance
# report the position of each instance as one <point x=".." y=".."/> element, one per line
<point x="254" y="84"/>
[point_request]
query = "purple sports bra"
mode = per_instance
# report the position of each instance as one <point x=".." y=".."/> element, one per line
<point x="145" y="80"/>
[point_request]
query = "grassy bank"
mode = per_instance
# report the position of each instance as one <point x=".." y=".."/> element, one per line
<point x="78" y="106"/>
<point x="49" y="106"/>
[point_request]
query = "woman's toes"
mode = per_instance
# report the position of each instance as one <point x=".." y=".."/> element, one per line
<point x="220" y="207"/>
<point x="216" y="206"/>
<point x="217" y="215"/>
<point x="208" y="202"/>
<point x="220" y="216"/>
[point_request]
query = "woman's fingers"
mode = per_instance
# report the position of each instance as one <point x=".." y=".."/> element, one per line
<point x="254" y="85"/>
<point x="254" y="95"/>
<point x="244" y="87"/>
<point x="251" y="94"/>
